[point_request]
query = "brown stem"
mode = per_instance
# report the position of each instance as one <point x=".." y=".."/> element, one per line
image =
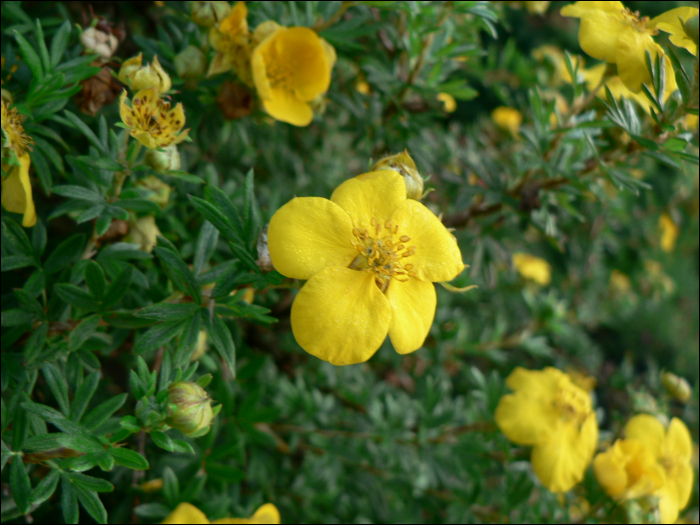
<point x="322" y="26"/>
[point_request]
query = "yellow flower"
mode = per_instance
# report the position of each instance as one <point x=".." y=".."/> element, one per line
<point x="370" y="256"/>
<point x="508" y="119"/>
<point x="151" y="120"/>
<point x="550" y="413"/>
<point x="362" y="86"/>
<point x="449" y="104"/>
<point x="152" y="485"/>
<point x="139" y="77"/>
<point x="403" y="164"/>
<point x="188" y="513"/>
<point x="627" y="470"/>
<point x="535" y="8"/>
<point x="669" y="23"/>
<point x="534" y="268"/>
<point x="672" y="450"/>
<point x="292" y="67"/>
<point x="620" y="283"/>
<point x="230" y="38"/>
<point x="611" y="32"/>
<point x="16" y="188"/>
<point x="13" y="133"/>
<point x="669" y="233"/>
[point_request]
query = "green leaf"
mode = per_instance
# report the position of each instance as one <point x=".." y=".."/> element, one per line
<point x="43" y="51"/>
<point x="16" y="317"/>
<point x="104" y="411"/>
<point x="57" y="383"/>
<point x="162" y="440"/>
<point x="45" y="488"/>
<point x="182" y="277"/>
<point x="69" y="500"/>
<point x="101" y="163"/>
<point x="30" y="57"/>
<point x="95" y="278"/>
<point x="35" y="343"/>
<point x="14" y="234"/>
<point x="65" y="253"/>
<point x="91" y="503"/>
<point x="225" y="473"/>
<point x="157" y="336"/>
<point x="80" y="443"/>
<point x="217" y="218"/>
<point x="21" y="486"/>
<point x="129" y="459"/>
<point x="42" y="442"/>
<point x="221" y="337"/>
<point x="244" y="255"/>
<point x="60" y="43"/>
<point x="85" y="130"/>
<point x="83" y="395"/>
<point x="90" y="483"/>
<point x="168" y="311"/>
<point x="105" y="462"/>
<point x="78" y="192"/>
<point x="82" y="332"/>
<point x="182" y="446"/>
<point x="251" y="213"/>
<point x="205" y="246"/>
<point x="13" y="262"/>
<point x="6" y="455"/>
<point x="171" y="487"/>
<point x="188" y="340"/>
<point x="76" y="297"/>
<point x="184" y="176"/>
<point x="38" y="238"/>
<point x="20" y="429"/>
<point x="119" y="286"/>
<point x="130" y="423"/>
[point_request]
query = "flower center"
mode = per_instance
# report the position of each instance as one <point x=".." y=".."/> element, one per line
<point x="382" y="252"/>
<point x="640" y="24"/>
<point x="153" y="120"/>
<point x="280" y="75"/>
<point x="572" y="405"/>
<point x="15" y="137"/>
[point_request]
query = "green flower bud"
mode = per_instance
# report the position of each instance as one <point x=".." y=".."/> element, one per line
<point x="193" y="413"/>
<point x="168" y="159"/>
<point x="209" y="14"/>
<point x="677" y="387"/>
<point x="403" y="163"/>
<point x="690" y="28"/>
<point x="161" y="191"/>
<point x="190" y="64"/>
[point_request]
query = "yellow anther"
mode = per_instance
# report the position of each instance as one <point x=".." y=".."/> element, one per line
<point x="404" y="238"/>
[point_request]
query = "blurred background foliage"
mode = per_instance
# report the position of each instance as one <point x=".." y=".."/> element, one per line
<point x="397" y="439"/>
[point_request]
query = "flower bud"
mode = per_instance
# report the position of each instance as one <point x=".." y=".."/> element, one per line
<point x="202" y="346"/>
<point x="193" y="413"/>
<point x="144" y="232"/>
<point x="508" y="119"/>
<point x="677" y="387"/>
<point x="190" y="64"/>
<point x="690" y="27"/>
<point x="403" y="163"/>
<point x="7" y="96"/>
<point x="138" y="77"/>
<point x="161" y="191"/>
<point x="209" y="14"/>
<point x="168" y="159"/>
<point x="96" y="41"/>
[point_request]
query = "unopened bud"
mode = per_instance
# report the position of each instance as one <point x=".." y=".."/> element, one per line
<point x="202" y="346"/>
<point x="403" y="163"/>
<point x="190" y="63"/>
<point x="690" y="27"/>
<point x="677" y="387"/>
<point x="264" y="261"/>
<point x="209" y="14"/>
<point x="193" y="413"/>
<point x="96" y="41"/>
<point x="144" y="232"/>
<point x="161" y="191"/>
<point x="166" y="160"/>
<point x="138" y="76"/>
<point x="7" y="96"/>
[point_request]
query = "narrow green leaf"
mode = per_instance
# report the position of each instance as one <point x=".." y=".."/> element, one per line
<point x="42" y="442"/>
<point x="120" y="285"/>
<point x="182" y="446"/>
<point x="80" y="443"/>
<point x="38" y="238"/>
<point x="16" y="317"/>
<point x="45" y="488"/>
<point x="82" y="332"/>
<point x="21" y="486"/>
<point x="76" y="297"/>
<point x="30" y="57"/>
<point x="188" y="340"/>
<point x="65" y="253"/>
<point x="20" y="429"/>
<point x="103" y="411"/>
<point x="182" y="277"/>
<point x="16" y="237"/>
<point x="221" y="337"/>
<point x="205" y="246"/>
<point x="60" y="43"/>
<point x="168" y="311"/>
<point x="43" y="50"/>
<point x="95" y="278"/>
<point x="6" y="455"/>
<point x="171" y="487"/>
<point x="91" y="503"/>
<point x="90" y="483"/>
<point x="129" y="458"/>
<point x="81" y="463"/>
<point x="35" y="343"/>
<point x="83" y="395"/>
<point x="105" y="462"/>
<point x="85" y="130"/>
<point x="78" y="192"/>
<point x="57" y="383"/>
<point x="69" y="500"/>
<point x="14" y="262"/>
<point x="217" y="218"/>
<point x="101" y="163"/>
<point x="130" y="423"/>
<point x="251" y="213"/>
<point x="162" y="440"/>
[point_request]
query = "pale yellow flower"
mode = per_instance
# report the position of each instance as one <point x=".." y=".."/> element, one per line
<point x="669" y="233"/>
<point x="231" y="39"/>
<point x="612" y="33"/>
<point x="449" y="104"/>
<point x="188" y="513"/>
<point x="620" y="283"/>
<point x="16" y="187"/>
<point x="139" y="77"/>
<point x="291" y="68"/>
<point x="550" y="413"/>
<point x="669" y="22"/>
<point x="370" y="256"/>
<point x="533" y="268"/>
<point x="151" y="120"/>
<point x="508" y="119"/>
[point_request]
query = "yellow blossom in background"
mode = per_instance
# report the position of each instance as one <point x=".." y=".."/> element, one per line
<point x="144" y="232"/>
<point x="533" y="268"/>
<point x="370" y="256"/>
<point x="550" y="413"/>
<point x="672" y="450"/>
<point x="620" y="283"/>
<point x="612" y="33"/>
<point x="188" y="513"/>
<point x="362" y="86"/>
<point x="669" y="233"/>
<point x="291" y="68"/>
<point x="151" y="120"/>
<point x="508" y="119"/>
<point x="152" y="485"/>
<point x="535" y="8"/>
<point x="139" y="77"/>
<point x="628" y="470"/>
<point x="669" y="23"/>
<point x="16" y="187"/>
<point x="449" y="104"/>
<point x="230" y="38"/>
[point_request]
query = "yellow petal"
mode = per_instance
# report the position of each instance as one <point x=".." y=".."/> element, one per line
<point x="144" y="138"/>
<point x="648" y="430"/>
<point x="599" y="34"/>
<point x="413" y="309"/>
<point x="670" y="23"/>
<point x="307" y="234"/>
<point x="341" y="316"/>
<point x="285" y="106"/>
<point x="267" y="513"/>
<point x="259" y="70"/>
<point x="609" y="469"/>
<point x="562" y="460"/>
<point x="175" y="119"/>
<point x="310" y="60"/>
<point x="580" y="9"/>
<point x="631" y="61"/>
<point x="126" y="113"/>
<point x="375" y="194"/>
<point x="437" y="256"/>
<point x="264" y="30"/>
<point x="235" y="25"/>
<point x="17" y="192"/>
<point x="221" y="63"/>
<point x="329" y="50"/>
<point x="186" y="513"/>
<point x="678" y="441"/>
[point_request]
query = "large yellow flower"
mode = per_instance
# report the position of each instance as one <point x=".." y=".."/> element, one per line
<point x="16" y="188"/>
<point x="188" y="513"/>
<point x="611" y="32"/>
<point x="672" y="450"/>
<point x="151" y="120"/>
<point x="370" y="256"/>
<point x="669" y="22"/>
<point x="550" y="413"/>
<point x="292" y="67"/>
